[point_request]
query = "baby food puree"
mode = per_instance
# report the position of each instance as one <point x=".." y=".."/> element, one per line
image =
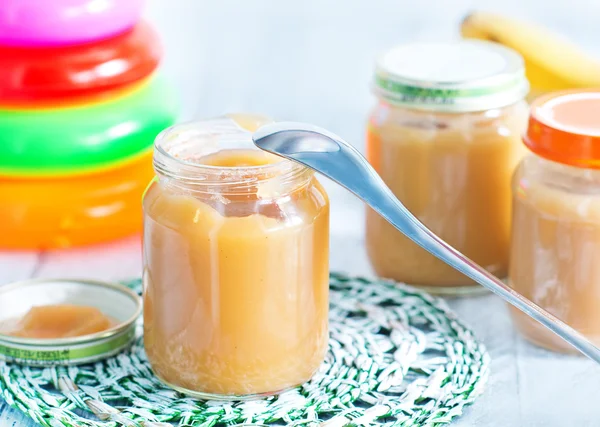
<point x="235" y="263"/>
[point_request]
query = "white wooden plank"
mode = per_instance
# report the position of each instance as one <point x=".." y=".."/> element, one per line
<point x="556" y="388"/>
<point x="112" y="261"/>
<point x="17" y="265"/>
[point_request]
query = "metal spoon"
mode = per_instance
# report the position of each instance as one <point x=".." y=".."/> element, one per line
<point x="331" y="156"/>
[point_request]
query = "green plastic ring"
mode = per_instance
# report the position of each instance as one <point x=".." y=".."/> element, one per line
<point x="86" y="138"/>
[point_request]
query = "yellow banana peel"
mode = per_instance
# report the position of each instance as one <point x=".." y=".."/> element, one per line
<point x="551" y="62"/>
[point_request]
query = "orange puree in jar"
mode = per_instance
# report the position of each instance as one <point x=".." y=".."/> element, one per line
<point x="556" y="215"/>
<point x="453" y="172"/>
<point x="445" y="136"/>
<point x="60" y="321"/>
<point x="238" y="158"/>
<point x="236" y="267"/>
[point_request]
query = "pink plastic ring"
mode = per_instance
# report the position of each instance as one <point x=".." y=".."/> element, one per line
<point x="64" y="22"/>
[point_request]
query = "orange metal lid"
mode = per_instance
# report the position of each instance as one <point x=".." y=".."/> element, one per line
<point x="565" y="127"/>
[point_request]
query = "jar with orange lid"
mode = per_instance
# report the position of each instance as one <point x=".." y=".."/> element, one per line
<point x="555" y="248"/>
<point x="445" y="136"/>
<point x="236" y="263"/>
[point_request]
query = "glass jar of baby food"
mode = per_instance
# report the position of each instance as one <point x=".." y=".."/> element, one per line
<point x="445" y="136"/>
<point x="236" y="264"/>
<point x="555" y="249"/>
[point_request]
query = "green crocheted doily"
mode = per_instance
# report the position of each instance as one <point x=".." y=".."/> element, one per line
<point x="397" y="357"/>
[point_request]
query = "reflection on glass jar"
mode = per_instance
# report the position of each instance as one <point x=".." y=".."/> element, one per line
<point x="445" y="136"/>
<point x="236" y="264"/>
<point x="556" y="234"/>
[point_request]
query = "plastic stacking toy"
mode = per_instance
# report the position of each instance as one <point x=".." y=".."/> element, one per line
<point x="65" y="22"/>
<point x="81" y="102"/>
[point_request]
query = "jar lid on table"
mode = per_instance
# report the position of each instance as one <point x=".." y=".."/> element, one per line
<point x="463" y="76"/>
<point x="565" y="127"/>
<point x="117" y="302"/>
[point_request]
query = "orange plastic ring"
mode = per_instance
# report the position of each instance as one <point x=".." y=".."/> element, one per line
<point x="73" y="211"/>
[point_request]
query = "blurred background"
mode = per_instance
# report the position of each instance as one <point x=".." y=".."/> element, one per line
<point x="312" y="60"/>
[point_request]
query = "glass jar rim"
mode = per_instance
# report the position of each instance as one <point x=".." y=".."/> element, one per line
<point x="177" y="146"/>
<point x="486" y="75"/>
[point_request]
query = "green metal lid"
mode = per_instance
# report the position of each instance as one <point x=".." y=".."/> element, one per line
<point x="463" y="76"/>
<point x="114" y="300"/>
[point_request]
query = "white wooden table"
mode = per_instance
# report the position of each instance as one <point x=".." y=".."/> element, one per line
<point x="311" y="61"/>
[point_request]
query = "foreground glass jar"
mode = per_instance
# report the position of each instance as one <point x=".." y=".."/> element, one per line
<point x="236" y="264"/>
<point x="555" y="248"/>
<point x="445" y="136"/>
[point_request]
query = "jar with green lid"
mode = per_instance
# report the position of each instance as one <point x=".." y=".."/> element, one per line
<point x="445" y="136"/>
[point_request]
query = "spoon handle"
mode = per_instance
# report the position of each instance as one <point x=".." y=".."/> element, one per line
<point x="386" y="204"/>
<point x="329" y="155"/>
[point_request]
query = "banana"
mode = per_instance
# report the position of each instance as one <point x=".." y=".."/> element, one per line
<point x="551" y="62"/>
